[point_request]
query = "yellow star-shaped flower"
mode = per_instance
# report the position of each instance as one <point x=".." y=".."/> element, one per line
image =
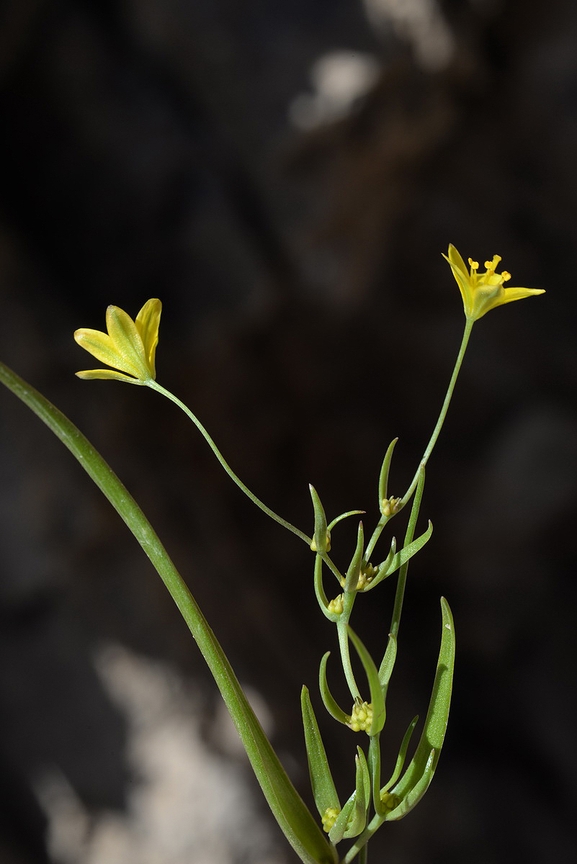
<point x="128" y="346"/>
<point x="482" y="292"/>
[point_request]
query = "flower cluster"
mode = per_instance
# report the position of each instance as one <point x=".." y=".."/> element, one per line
<point x="361" y="717"/>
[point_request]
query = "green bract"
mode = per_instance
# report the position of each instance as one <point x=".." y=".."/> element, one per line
<point x="417" y="778"/>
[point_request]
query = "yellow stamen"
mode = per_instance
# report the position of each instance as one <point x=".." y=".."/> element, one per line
<point x="483" y="291"/>
<point x="492" y="265"/>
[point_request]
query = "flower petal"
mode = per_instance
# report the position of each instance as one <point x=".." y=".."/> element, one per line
<point x="147" y="323"/>
<point x="455" y="260"/>
<point x="89" y="374"/>
<point x="462" y="278"/>
<point x="101" y="346"/>
<point x="482" y="292"/>
<point x="127" y="341"/>
<point x="509" y="295"/>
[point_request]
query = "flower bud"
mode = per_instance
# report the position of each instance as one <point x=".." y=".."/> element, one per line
<point x="361" y="716"/>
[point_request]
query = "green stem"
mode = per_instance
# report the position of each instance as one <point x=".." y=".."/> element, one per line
<point x="410" y="533"/>
<point x="375" y="536"/>
<point x="360" y="843"/>
<point x="432" y="441"/>
<point x="333" y="568"/>
<point x="234" y="477"/>
<point x="436" y="431"/>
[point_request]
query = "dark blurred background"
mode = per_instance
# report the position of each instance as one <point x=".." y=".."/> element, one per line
<point x="284" y="176"/>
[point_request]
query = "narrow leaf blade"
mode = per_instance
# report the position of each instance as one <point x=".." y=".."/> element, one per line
<point x="417" y="778"/>
<point x="352" y="578"/>
<point x="358" y="818"/>
<point x="321" y="537"/>
<point x="290" y="811"/>
<point x="329" y="701"/>
<point x="403" y="556"/>
<point x="322" y="784"/>
<point x="384" y="475"/>
<point x="402" y="755"/>
<point x="388" y="664"/>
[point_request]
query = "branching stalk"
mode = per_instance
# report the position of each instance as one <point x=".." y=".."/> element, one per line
<point x="154" y="385"/>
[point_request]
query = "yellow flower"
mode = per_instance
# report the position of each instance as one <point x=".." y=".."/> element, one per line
<point x="129" y="346"/>
<point x="482" y="292"/>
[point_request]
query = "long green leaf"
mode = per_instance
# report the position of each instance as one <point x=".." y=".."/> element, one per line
<point x="346" y="515"/>
<point x="358" y="819"/>
<point x="388" y="664"/>
<point x="322" y="783"/>
<point x="321" y="538"/>
<point x="384" y="475"/>
<point x="401" y="755"/>
<point x="320" y="590"/>
<point x="294" y="818"/>
<point x="417" y="778"/>
<point x="354" y="569"/>
<point x="352" y="819"/>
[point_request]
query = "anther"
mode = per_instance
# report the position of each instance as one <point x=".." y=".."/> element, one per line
<point x="492" y="265"/>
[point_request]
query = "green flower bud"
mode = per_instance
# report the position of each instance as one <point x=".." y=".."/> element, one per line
<point x="329" y="818"/>
<point x="361" y="717"/>
<point x="336" y="605"/>
<point x="389" y="801"/>
<point x="390" y="506"/>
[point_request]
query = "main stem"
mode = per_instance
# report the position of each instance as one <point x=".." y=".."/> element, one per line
<point x="402" y="577"/>
<point x="234" y="477"/>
